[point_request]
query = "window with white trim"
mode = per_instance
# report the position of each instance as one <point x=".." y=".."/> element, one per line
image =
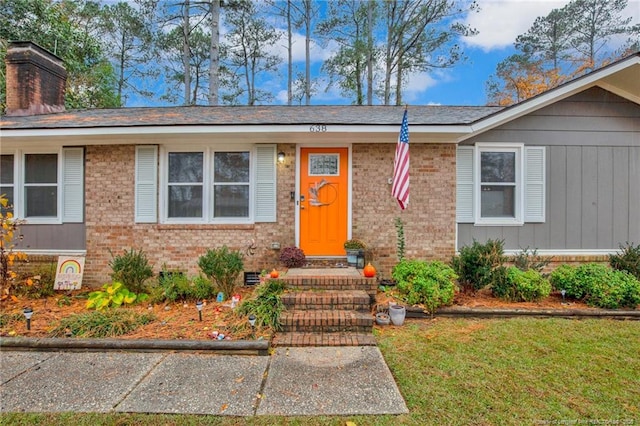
<point x="500" y="184"/>
<point x="44" y="187"/>
<point x="208" y="185"/>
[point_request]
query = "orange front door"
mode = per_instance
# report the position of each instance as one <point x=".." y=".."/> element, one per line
<point x="324" y="199"/>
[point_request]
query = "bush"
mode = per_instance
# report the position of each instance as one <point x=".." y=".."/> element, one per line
<point x="598" y="285"/>
<point x="39" y="283"/>
<point x="564" y="278"/>
<point x="293" y="257"/>
<point x="628" y="259"/>
<point x="530" y="259"/>
<point x="173" y="286"/>
<point x="431" y="284"/>
<point x="520" y="286"/>
<point x="266" y="304"/>
<point x="113" y="294"/>
<point x="476" y="263"/>
<point x="131" y="269"/>
<point x="222" y="266"/>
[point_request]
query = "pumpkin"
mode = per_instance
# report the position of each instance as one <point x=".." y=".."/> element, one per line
<point x="274" y="273"/>
<point x="369" y="271"/>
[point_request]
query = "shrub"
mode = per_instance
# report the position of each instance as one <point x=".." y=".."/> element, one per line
<point x="266" y="304"/>
<point x="173" y="286"/>
<point x="530" y="259"/>
<point x="564" y="278"/>
<point x="222" y="266"/>
<point x="293" y="257"/>
<point x="520" y="286"/>
<point x="431" y="284"/>
<point x="598" y="285"/>
<point x="476" y="263"/>
<point x="113" y="294"/>
<point x="628" y="259"/>
<point x="131" y="269"/>
<point x="9" y="230"/>
<point x="354" y="244"/>
<point x="40" y="282"/>
<point x="102" y="324"/>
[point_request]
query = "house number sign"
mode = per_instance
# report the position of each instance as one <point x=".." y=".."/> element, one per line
<point x="317" y="128"/>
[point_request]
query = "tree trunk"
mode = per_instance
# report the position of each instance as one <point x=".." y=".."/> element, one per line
<point x="307" y="46"/>
<point x="214" y="53"/>
<point x="186" y="53"/>
<point x="290" y="63"/>
<point x="370" y="53"/>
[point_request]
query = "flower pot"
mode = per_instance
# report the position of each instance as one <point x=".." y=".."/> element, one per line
<point x="382" y="318"/>
<point x="355" y="257"/>
<point x="397" y="314"/>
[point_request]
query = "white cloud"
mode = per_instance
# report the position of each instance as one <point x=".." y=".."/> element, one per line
<point x="499" y="22"/>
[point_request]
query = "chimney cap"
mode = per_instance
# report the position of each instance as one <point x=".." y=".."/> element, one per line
<point x="20" y="44"/>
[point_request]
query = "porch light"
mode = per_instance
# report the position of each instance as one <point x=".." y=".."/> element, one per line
<point x="27" y="314"/>
<point x="199" y="308"/>
<point x="281" y="157"/>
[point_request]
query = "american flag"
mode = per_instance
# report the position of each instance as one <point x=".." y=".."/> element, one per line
<point x="400" y="188"/>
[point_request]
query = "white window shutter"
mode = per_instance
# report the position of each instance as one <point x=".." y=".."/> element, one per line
<point x="146" y="197"/>
<point x="265" y="183"/>
<point x="534" y="184"/>
<point x="73" y="185"/>
<point x="464" y="184"/>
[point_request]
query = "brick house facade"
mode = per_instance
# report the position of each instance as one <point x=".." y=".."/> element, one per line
<point x="94" y="210"/>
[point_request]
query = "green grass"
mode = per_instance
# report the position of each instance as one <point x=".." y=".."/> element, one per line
<point x="475" y="372"/>
<point x="108" y="323"/>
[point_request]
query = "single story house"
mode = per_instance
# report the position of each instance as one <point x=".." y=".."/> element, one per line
<point x="559" y="172"/>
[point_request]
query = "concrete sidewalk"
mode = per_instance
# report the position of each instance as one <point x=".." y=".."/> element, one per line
<point x="292" y="381"/>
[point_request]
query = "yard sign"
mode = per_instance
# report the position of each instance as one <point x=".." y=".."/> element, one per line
<point x="69" y="273"/>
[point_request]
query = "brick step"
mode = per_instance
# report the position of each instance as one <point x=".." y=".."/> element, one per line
<point x="349" y="300"/>
<point x="298" y="339"/>
<point x="368" y="285"/>
<point x="326" y="321"/>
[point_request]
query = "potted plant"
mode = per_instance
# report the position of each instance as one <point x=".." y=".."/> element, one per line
<point x="355" y="252"/>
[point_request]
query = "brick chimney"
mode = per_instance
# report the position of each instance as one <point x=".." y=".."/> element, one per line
<point x="36" y="80"/>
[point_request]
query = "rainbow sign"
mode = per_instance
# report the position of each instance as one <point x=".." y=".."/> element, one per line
<point x="69" y="273"/>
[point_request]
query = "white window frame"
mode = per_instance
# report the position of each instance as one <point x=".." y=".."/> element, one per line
<point x="207" y="184"/>
<point x="19" y="186"/>
<point x="518" y="149"/>
<point x="15" y="180"/>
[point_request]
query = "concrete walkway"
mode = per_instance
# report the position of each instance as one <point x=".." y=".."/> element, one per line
<point x="292" y="381"/>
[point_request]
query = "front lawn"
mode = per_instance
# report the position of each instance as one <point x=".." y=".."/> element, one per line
<point x="484" y="372"/>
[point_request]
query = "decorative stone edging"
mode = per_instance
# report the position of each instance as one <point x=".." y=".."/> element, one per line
<point x="227" y="347"/>
<point x="460" y="312"/>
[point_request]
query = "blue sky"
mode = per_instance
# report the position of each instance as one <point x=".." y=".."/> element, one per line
<point x="499" y="22"/>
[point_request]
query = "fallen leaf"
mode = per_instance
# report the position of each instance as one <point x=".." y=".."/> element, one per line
<point x="224" y="407"/>
<point x="239" y="379"/>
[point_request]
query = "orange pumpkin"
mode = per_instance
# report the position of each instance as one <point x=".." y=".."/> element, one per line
<point x="369" y="271"/>
<point x="274" y="273"/>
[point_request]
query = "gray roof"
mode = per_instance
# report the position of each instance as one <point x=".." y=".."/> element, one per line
<point x="255" y="115"/>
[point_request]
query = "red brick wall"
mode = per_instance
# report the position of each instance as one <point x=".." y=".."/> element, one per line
<point x="429" y="220"/>
<point x="110" y="221"/>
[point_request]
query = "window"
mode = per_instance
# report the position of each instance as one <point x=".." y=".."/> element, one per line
<point x="185" y="184"/>
<point x="500" y="184"/>
<point x="7" y="179"/>
<point x="499" y="180"/>
<point x="44" y="187"/>
<point x="41" y="185"/>
<point x="231" y="184"/>
<point x="208" y="186"/>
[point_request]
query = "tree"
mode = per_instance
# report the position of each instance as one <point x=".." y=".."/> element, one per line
<point x="245" y="50"/>
<point x="565" y="44"/>
<point x="349" y="23"/>
<point x="595" y="22"/>
<point x="420" y="37"/>
<point x="129" y="43"/>
<point x="66" y="28"/>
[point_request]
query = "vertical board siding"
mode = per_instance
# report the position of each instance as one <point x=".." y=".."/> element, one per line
<point x="593" y="202"/>
<point x="592" y="174"/>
